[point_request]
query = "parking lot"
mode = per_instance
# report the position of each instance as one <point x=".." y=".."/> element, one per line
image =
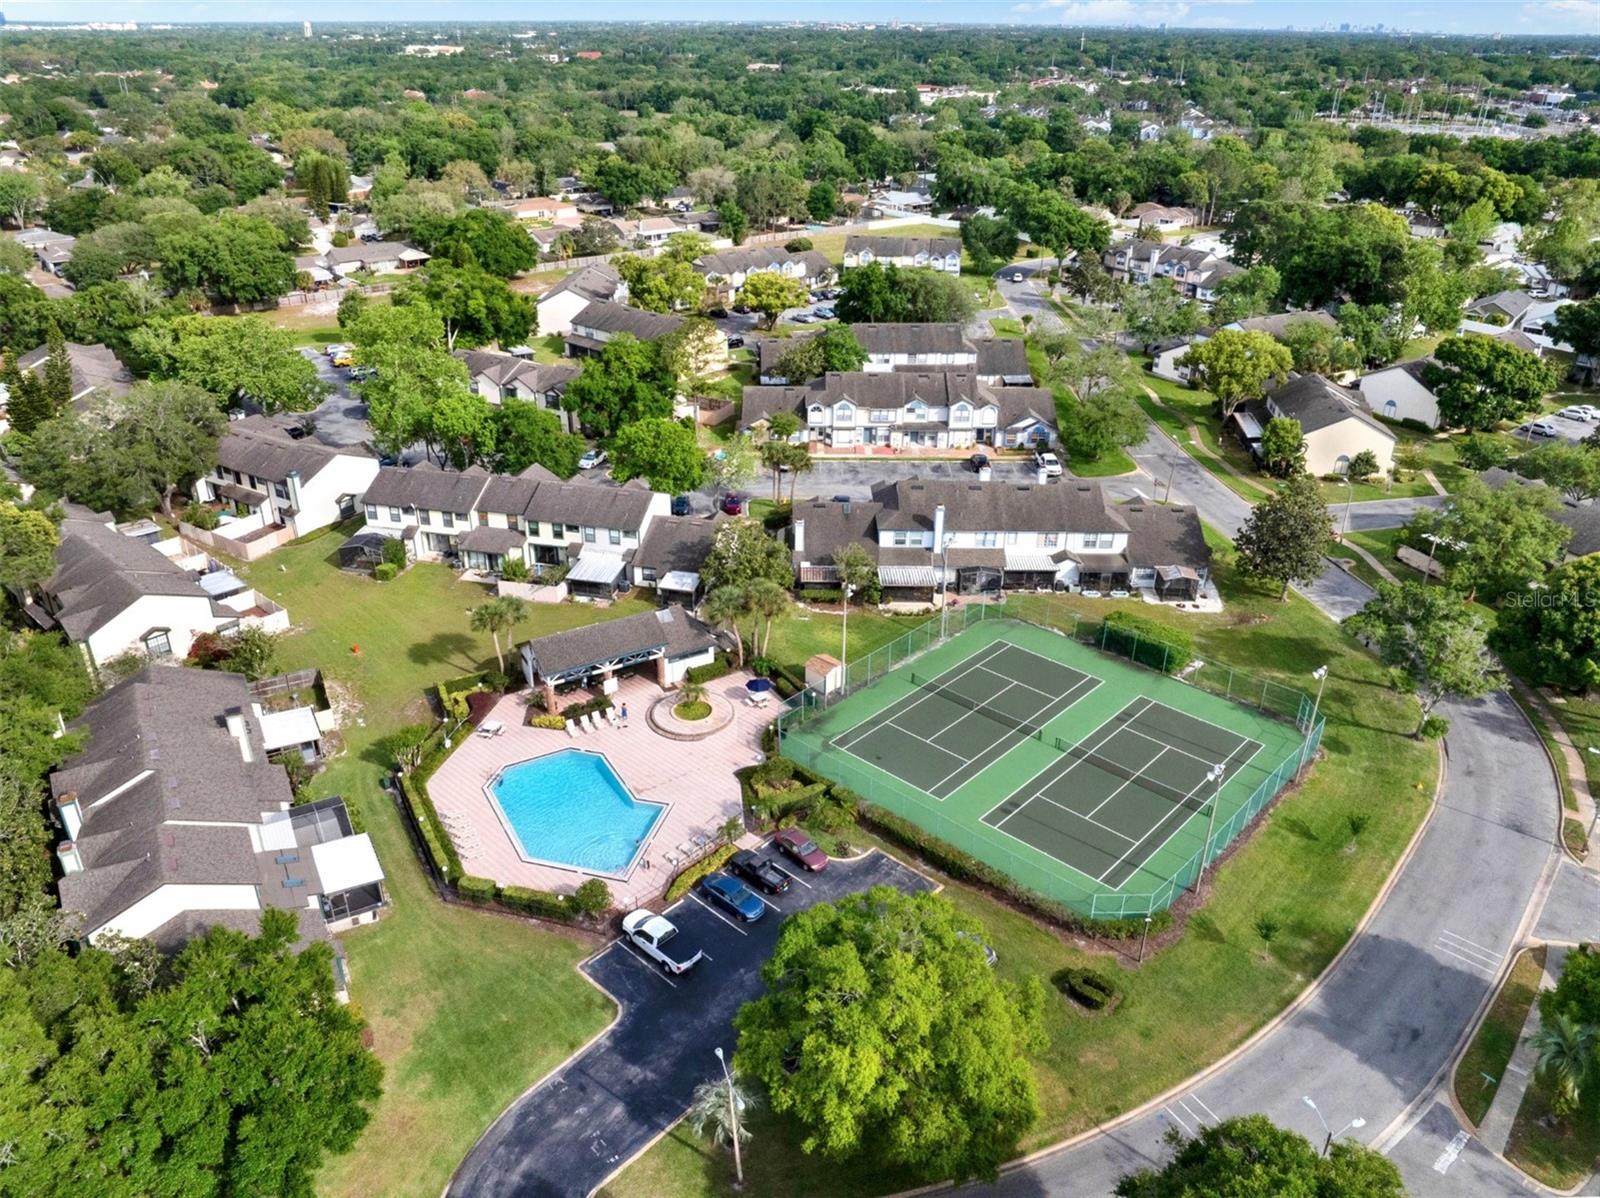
<point x="607" y="1104"/>
<point x="1566" y="429"/>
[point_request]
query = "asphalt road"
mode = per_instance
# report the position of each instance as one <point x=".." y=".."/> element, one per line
<point x="572" y="1131"/>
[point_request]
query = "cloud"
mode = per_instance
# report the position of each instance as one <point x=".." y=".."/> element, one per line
<point x="1588" y="10"/>
<point x="1111" y="12"/>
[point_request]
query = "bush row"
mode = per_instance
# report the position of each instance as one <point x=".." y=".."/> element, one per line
<point x="709" y="672"/>
<point x="435" y="842"/>
<point x="964" y="867"/>
<point x="1086" y="987"/>
<point x="693" y="873"/>
<point x="553" y="722"/>
<point x="1159" y="646"/>
<point x="591" y="898"/>
<point x="576" y="711"/>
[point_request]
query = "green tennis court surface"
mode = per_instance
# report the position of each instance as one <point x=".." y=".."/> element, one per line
<point x="1087" y="778"/>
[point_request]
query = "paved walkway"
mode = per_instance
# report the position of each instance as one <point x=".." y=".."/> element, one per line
<point x="1495" y="1130"/>
<point x="1571" y="758"/>
<point x="1371" y="559"/>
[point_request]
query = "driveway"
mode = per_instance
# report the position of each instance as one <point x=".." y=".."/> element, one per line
<point x="1027" y="298"/>
<point x="580" y="1125"/>
<point x="341" y="419"/>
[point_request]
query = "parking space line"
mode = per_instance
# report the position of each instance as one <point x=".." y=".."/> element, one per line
<point x="718" y="914"/>
<point x="766" y="902"/>
<point x="649" y="966"/>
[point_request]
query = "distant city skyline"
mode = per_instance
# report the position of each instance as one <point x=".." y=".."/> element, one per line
<point x="1474" y="17"/>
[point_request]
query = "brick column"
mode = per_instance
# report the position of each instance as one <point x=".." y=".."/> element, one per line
<point x="661" y="672"/>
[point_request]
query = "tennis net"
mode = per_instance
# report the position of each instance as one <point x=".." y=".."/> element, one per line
<point x="1194" y="799"/>
<point x="1025" y="727"/>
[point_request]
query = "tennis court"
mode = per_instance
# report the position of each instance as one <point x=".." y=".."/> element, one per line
<point x="1093" y="781"/>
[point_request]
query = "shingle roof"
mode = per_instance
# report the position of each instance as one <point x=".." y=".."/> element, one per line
<point x="911" y="338"/>
<point x="597" y="282"/>
<point x="1277" y="324"/>
<point x="1164" y="535"/>
<point x="1512" y="303"/>
<point x="99" y="573"/>
<point x="901" y="247"/>
<point x="260" y="446"/>
<point x="829" y="526"/>
<point x="756" y="257"/>
<point x="92" y="366"/>
<point x="369" y="251"/>
<point x="895" y="389"/>
<point x="997" y="506"/>
<point x="1003" y="357"/>
<point x="607" y="317"/>
<point x="671" y="629"/>
<point x="676" y="543"/>
<point x="502" y="369"/>
<point x="428" y="487"/>
<point x="1317" y="403"/>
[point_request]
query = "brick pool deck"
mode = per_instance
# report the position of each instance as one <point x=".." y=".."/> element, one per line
<point x="694" y="777"/>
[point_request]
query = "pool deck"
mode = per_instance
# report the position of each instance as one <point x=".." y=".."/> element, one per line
<point x="695" y="779"/>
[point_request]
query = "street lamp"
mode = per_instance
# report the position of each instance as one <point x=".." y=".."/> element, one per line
<point x="1349" y="498"/>
<point x="1434" y="541"/>
<point x="844" y="625"/>
<point x="1354" y="1125"/>
<point x="944" y="583"/>
<point x="1145" y="939"/>
<point x="1321" y="675"/>
<point x="1214" y="776"/>
<point x="733" y="1115"/>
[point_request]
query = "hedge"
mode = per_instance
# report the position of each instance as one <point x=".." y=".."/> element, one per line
<point x="476" y="890"/>
<point x="385" y="571"/>
<point x="438" y="845"/>
<point x="693" y="873"/>
<point x="1086" y="987"/>
<point x="709" y="672"/>
<point x="553" y="722"/>
<point x="1147" y="642"/>
<point x="540" y="903"/>
<point x="574" y="711"/>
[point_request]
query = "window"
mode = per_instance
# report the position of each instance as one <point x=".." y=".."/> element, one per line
<point x="372" y="511"/>
<point x="988" y="540"/>
<point x="903" y="537"/>
<point x="588" y="536"/>
<point x="449" y="520"/>
<point x="614" y="535"/>
<point x="281" y="491"/>
<point x="394" y="515"/>
<point x="1011" y="538"/>
<point x="572" y="530"/>
<point x="514" y="523"/>
<point x="1099" y="540"/>
<point x="647" y="574"/>
<point x="881" y="416"/>
<point x="158" y="643"/>
<point x="461" y="518"/>
<point x="961" y="414"/>
<point x="1047" y="540"/>
<point x="843" y="413"/>
<point x="423" y="517"/>
<point x="483" y="518"/>
<point x="814" y="414"/>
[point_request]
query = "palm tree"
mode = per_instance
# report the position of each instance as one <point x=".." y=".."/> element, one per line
<point x="856" y="569"/>
<point x="1566" y="1051"/>
<point x="799" y="463"/>
<point x="498" y="615"/>
<point x="766" y="601"/>
<point x="723" y="608"/>
<point x="710" y="1115"/>
<point x="691" y="692"/>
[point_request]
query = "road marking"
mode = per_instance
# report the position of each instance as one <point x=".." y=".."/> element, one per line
<point x="1516" y="1069"/>
<point x="651" y="967"/>
<point x="1466" y="951"/>
<point x="766" y="902"/>
<point x="1451" y="1151"/>
<point x="1171" y="1114"/>
<point x="1459" y="939"/>
<point x="1201" y="1103"/>
<point x="718" y="914"/>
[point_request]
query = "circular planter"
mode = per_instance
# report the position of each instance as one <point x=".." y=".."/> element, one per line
<point x="665" y="720"/>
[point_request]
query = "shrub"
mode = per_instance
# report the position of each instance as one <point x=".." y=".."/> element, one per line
<point x="709" y="672"/>
<point x="1434" y="727"/>
<point x="555" y="723"/>
<point x="706" y="865"/>
<point x="592" y="898"/>
<point x="514" y="569"/>
<point x="476" y="890"/>
<point x="200" y="516"/>
<point x="538" y="903"/>
<point x="441" y="851"/>
<point x="576" y="711"/>
<point x="1363" y="466"/>
<point x="797" y="245"/>
<point x="1147" y="642"/>
<point x="769" y="773"/>
<point x="393" y="552"/>
<point x="1086" y="987"/>
<point x="385" y="571"/>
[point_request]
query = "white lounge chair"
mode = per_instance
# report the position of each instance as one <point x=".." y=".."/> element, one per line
<point x="491" y="728"/>
<point x="572" y="730"/>
<point x="611" y="717"/>
<point x="594" y="722"/>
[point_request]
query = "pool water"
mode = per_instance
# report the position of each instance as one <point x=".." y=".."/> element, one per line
<point x="570" y="808"/>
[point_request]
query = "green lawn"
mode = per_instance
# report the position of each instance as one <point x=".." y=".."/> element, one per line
<point x="1580" y="718"/>
<point x="1560" y="1152"/>
<point x="1483" y="1066"/>
<point x="1195" y="999"/>
<point x="1382" y="543"/>
<point x="466" y="1009"/>
<point x="1358" y="567"/>
<point x="1007" y="326"/>
<point x="802" y="634"/>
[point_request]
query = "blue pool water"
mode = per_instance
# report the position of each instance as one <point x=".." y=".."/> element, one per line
<point x="570" y="808"/>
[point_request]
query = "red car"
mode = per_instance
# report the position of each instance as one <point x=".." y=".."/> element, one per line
<point x="801" y="849"/>
<point x="732" y="505"/>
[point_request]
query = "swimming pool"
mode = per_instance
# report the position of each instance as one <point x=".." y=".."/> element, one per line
<point x="571" y="809"/>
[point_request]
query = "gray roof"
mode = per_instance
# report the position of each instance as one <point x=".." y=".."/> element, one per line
<point x="1582" y="518"/>
<point x="607" y="317"/>
<point x="428" y="487"/>
<point x="597" y="282"/>
<point x="972" y="506"/>
<point x="1512" y="303"/>
<point x="1278" y="323"/>
<point x="1003" y="357"/>
<point x="1165" y="535"/>
<point x="600" y="505"/>
<point x="676" y="543"/>
<point x="261" y="446"/>
<point x="996" y="356"/>
<point x="895" y="389"/>
<point x="501" y="369"/>
<point x="159" y="746"/>
<point x="535" y="495"/>
<point x="671" y="631"/>
<point x="368" y="251"/>
<point x="911" y="338"/>
<point x="92" y="366"/>
<point x="757" y="257"/>
<point x="99" y="573"/>
<point x="883" y="246"/>
<point x="1317" y="403"/>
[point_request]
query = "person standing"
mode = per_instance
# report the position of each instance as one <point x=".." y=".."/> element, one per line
<point x="623" y="712"/>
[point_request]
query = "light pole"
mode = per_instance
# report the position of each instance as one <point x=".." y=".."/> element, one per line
<point x="1434" y="541"/>
<point x="1145" y="939"/>
<point x="1321" y="675"/>
<point x="844" y="626"/>
<point x="1349" y="498"/>
<point x="1354" y="1125"/>
<point x="944" y="584"/>
<point x="1215" y="778"/>
<point x="733" y="1115"/>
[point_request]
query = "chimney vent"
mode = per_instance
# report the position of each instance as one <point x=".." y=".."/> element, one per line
<point x="71" y="860"/>
<point x="240" y="731"/>
<point x="799" y="536"/>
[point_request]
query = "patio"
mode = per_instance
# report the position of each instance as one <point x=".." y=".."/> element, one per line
<point x="695" y="780"/>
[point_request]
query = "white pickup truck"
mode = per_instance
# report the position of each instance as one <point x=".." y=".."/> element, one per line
<point x="650" y="934"/>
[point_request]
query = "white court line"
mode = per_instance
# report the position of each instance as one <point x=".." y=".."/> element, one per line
<point x="963" y="667"/>
<point x="1137" y="774"/>
<point x="982" y="763"/>
<point x="1171" y="1114"/>
<point x="987" y="669"/>
<point x="718" y="914"/>
<point x="1043" y="798"/>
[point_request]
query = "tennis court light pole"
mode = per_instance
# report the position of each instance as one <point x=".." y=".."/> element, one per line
<point x="733" y="1114"/>
<point x="1321" y="675"/>
<point x="1215" y="778"/>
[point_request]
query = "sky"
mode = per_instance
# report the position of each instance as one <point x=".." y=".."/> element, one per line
<point x="1438" y="16"/>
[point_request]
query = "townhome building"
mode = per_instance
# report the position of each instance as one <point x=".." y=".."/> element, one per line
<point x="727" y="271"/>
<point x="481" y="520"/>
<point x="602" y="320"/>
<point x="1163" y="218"/>
<point x="274" y="482"/>
<point x="907" y="410"/>
<point x="373" y="258"/>
<point x="504" y="378"/>
<point x="1401" y="392"/>
<point x="1166" y="355"/>
<point x="983" y="537"/>
<point x="1334" y="420"/>
<point x="650" y="232"/>
<point x="94" y="368"/>
<point x="1194" y="272"/>
<point x="176" y="821"/>
<point x="997" y="361"/>
<point x="935" y="253"/>
<point x="574" y="293"/>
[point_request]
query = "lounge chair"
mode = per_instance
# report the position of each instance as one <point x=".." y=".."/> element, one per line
<point x="491" y="728"/>
<point x="572" y="730"/>
<point x="590" y="722"/>
<point x="611" y="717"/>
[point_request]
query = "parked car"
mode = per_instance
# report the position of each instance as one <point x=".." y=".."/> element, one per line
<point x="801" y="849"/>
<point x="825" y="313"/>
<point x="803" y="318"/>
<point x="1048" y="462"/>
<point x="1016" y="276"/>
<point x="978" y="462"/>
<point x="735" y="342"/>
<point x="733" y="896"/>
<point x="591" y="459"/>
<point x="681" y="505"/>
<point x="1577" y="411"/>
<point x="1542" y="428"/>
<point x="761" y="872"/>
<point x="731" y="505"/>
<point x="719" y="312"/>
<point x="651" y="933"/>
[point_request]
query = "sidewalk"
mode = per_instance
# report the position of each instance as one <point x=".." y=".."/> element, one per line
<point x="1383" y="571"/>
<point x="1572" y="762"/>
<point x="1495" y="1131"/>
